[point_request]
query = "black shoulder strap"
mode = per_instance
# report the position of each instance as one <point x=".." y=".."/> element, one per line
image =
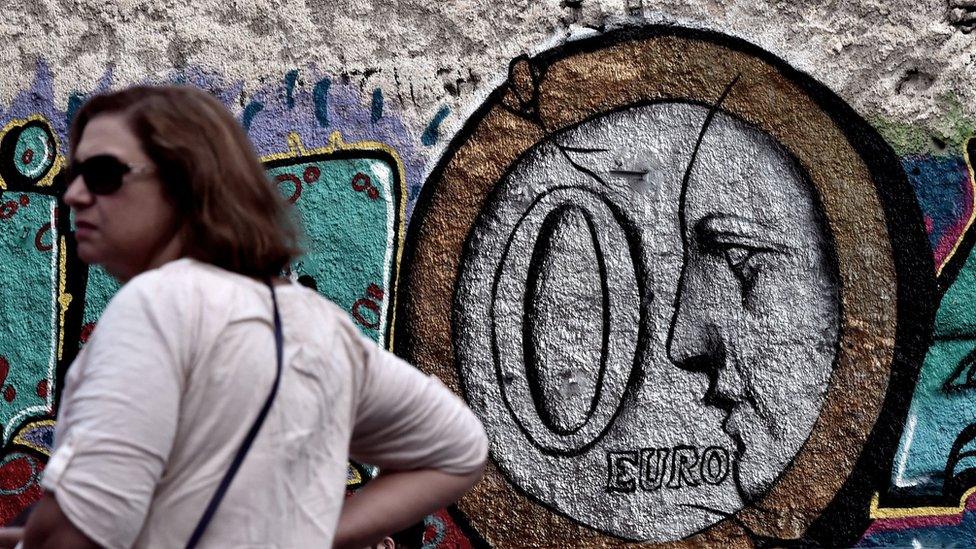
<point x="249" y="439"/>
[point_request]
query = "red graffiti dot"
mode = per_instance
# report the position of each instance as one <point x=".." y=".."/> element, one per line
<point x="9" y="393"/>
<point x="15" y="474"/>
<point x="361" y="317"/>
<point x="39" y="239"/>
<point x="86" y="332"/>
<point x="8" y="209"/>
<point x="369" y="303"/>
<point x="24" y="200"/>
<point x="374" y="291"/>
<point x="4" y="369"/>
<point x="27" y="156"/>
<point x="362" y="183"/>
<point x="42" y="388"/>
<point x="281" y="178"/>
<point x="311" y="174"/>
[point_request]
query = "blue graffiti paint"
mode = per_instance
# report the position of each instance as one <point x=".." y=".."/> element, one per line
<point x="252" y="109"/>
<point x="75" y="101"/>
<point x="939" y="183"/>
<point x="376" y="110"/>
<point x="290" y="79"/>
<point x="432" y="133"/>
<point x="320" y="96"/>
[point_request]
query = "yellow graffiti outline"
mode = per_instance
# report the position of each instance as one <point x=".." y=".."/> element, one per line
<point x="64" y="298"/>
<point x="19" y="437"/>
<point x="878" y="512"/>
<point x="56" y="166"/>
<point x="972" y="214"/>
<point x="297" y="150"/>
<point x="356" y="479"/>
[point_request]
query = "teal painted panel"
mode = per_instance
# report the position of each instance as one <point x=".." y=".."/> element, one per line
<point x="940" y="411"/>
<point x="957" y="315"/>
<point x="348" y="209"/>
<point x="28" y="304"/>
<point x="944" y="401"/>
<point x="98" y="291"/>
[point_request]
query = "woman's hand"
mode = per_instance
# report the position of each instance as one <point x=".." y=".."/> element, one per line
<point x="9" y="537"/>
<point x="395" y="500"/>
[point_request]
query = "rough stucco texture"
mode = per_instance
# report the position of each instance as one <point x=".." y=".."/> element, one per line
<point x="690" y="291"/>
<point x="899" y="60"/>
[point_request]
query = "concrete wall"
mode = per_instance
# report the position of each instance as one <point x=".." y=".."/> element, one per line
<point x="702" y="268"/>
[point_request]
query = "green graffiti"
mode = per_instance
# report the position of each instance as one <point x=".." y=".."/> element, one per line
<point x="350" y="203"/>
<point x="944" y="402"/>
<point x="29" y="272"/>
<point x="98" y="292"/>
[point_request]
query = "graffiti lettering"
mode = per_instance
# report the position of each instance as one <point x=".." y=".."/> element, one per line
<point x="683" y="466"/>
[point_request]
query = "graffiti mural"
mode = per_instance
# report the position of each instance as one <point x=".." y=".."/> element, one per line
<point x="693" y="296"/>
<point x="35" y="252"/>
<point x="352" y="201"/>
<point x="934" y="476"/>
<point x="665" y="299"/>
<point x="32" y="243"/>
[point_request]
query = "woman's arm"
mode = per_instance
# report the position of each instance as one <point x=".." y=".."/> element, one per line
<point x="429" y="446"/>
<point x="49" y="528"/>
<point x="11" y="535"/>
<point x="395" y="500"/>
<point x="116" y="425"/>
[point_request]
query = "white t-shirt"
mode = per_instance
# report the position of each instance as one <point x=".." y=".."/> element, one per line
<point x="159" y="399"/>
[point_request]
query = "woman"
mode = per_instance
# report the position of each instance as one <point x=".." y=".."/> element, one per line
<point x="169" y="197"/>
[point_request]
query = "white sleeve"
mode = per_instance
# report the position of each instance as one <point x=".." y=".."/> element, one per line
<point x="121" y="414"/>
<point x="405" y="419"/>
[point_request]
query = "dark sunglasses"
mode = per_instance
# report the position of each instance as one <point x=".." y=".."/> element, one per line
<point x="103" y="174"/>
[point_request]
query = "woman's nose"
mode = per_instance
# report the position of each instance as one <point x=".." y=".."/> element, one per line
<point x="77" y="196"/>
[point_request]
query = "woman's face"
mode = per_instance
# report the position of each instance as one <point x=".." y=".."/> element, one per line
<point x="134" y="228"/>
<point x="757" y="305"/>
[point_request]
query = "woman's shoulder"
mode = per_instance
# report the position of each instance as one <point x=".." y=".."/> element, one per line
<point x="187" y="272"/>
<point x="190" y="283"/>
<point x="180" y="284"/>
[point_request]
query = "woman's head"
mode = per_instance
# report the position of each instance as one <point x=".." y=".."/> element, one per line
<point x="191" y="185"/>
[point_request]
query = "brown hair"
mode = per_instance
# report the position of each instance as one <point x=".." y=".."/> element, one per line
<point x="232" y="215"/>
